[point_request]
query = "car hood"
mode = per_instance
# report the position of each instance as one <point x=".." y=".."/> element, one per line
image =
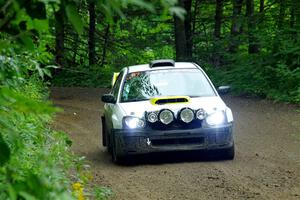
<point x="209" y="104"/>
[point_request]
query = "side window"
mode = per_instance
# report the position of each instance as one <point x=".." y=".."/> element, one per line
<point x="117" y="85"/>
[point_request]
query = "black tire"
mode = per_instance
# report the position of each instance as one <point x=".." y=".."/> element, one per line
<point x="229" y="153"/>
<point x="104" y="134"/>
<point x="108" y="146"/>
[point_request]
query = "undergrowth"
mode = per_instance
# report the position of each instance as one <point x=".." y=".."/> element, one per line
<point x="35" y="161"/>
<point x="260" y="75"/>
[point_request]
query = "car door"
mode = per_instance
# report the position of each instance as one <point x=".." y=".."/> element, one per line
<point x="110" y="108"/>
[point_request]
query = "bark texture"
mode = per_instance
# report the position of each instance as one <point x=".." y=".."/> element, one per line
<point x="235" y="25"/>
<point x="218" y="18"/>
<point x="92" y="25"/>
<point x="183" y="33"/>
<point x="253" y="42"/>
<point x="59" y="36"/>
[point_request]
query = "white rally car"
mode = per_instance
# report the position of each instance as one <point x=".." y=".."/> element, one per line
<point x="165" y="106"/>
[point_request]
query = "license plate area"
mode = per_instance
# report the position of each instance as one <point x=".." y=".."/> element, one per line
<point x="178" y="141"/>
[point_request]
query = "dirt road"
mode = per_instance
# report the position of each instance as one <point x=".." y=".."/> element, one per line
<point x="267" y="163"/>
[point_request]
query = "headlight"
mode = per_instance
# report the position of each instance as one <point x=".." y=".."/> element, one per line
<point x="166" y="116"/>
<point x="200" y="114"/>
<point x="134" y="122"/>
<point x="216" y="118"/>
<point x="186" y="115"/>
<point x="152" y="117"/>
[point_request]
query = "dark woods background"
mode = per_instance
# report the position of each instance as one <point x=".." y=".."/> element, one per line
<point x="252" y="45"/>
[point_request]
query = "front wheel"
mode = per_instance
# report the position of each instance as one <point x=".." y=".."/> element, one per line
<point x="116" y="157"/>
<point x="104" y="140"/>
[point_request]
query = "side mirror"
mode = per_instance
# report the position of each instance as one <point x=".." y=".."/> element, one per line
<point x="223" y="89"/>
<point x="108" y="98"/>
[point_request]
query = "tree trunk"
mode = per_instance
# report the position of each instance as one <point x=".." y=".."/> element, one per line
<point x="261" y="23"/>
<point x="281" y="16"/>
<point x="75" y="47"/>
<point x="180" y="36"/>
<point x="235" y="25"/>
<point x="180" y="40"/>
<point x="292" y="17"/>
<point x="188" y="28"/>
<point x="92" y="25"/>
<point x="59" y="36"/>
<point x="195" y="14"/>
<point x="295" y="19"/>
<point x="296" y="5"/>
<point x="218" y="18"/>
<point x="261" y="6"/>
<point x="105" y="42"/>
<point x="216" y="57"/>
<point x="253" y="43"/>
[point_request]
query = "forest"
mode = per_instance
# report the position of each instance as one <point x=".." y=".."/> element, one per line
<point x="251" y="45"/>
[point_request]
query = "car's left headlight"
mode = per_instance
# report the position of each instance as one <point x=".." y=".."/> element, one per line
<point x="216" y="118"/>
<point x="133" y="122"/>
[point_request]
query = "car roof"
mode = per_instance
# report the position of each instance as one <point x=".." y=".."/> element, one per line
<point x="146" y="67"/>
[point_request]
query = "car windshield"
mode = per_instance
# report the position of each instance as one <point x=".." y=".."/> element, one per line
<point x="139" y="86"/>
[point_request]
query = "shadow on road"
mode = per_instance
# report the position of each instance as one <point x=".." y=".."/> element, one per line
<point x="175" y="157"/>
<point x="161" y="158"/>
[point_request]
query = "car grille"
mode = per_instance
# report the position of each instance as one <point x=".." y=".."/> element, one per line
<point x="178" y="141"/>
<point x="175" y="125"/>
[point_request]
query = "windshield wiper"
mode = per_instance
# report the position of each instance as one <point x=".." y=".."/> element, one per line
<point x="194" y="96"/>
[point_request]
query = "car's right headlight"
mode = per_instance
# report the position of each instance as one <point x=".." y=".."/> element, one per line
<point x="216" y="118"/>
<point x="132" y="122"/>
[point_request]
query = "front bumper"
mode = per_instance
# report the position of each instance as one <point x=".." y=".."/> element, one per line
<point x="146" y="141"/>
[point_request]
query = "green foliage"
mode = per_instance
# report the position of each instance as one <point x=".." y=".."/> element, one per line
<point x="35" y="161"/>
<point x="74" y="17"/>
<point x="85" y="77"/>
<point x="261" y="75"/>
<point x="166" y="7"/>
<point x="23" y="21"/>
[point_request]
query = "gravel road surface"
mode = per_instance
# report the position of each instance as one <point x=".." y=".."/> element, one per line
<point x="267" y="163"/>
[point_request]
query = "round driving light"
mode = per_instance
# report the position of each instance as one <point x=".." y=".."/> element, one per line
<point x="186" y="115"/>
<point x="200" y="114"/>
<point x="166" y="116"/>
<point x="152" y="117"/>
